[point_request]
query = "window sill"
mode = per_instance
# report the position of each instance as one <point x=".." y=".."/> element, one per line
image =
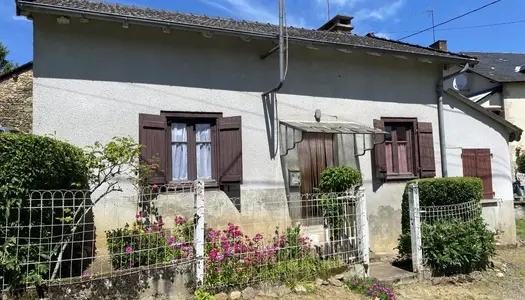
<point x="400" y="177"/>
<point x="182" y="185"/>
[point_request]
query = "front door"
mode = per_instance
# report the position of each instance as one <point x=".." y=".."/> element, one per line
<point x="316" y="153"/>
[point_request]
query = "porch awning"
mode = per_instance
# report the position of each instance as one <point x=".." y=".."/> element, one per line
<point x="332" y="127"/>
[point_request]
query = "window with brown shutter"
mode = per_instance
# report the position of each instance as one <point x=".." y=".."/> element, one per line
<point x="193" y="146"/>
<point x="477" y="163"/>
<point x="406" y="151"/>
<point x="152" y="134"/>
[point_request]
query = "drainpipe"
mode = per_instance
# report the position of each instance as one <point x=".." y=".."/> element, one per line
<point x="441" y="121"/>
<point x="282" y="71"/>
<point x="282" y="74"/>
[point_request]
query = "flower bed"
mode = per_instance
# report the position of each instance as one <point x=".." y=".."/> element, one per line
<point x="231" y="257"/>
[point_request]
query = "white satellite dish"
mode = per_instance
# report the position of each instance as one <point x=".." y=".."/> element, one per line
<point x="460" y="82"/>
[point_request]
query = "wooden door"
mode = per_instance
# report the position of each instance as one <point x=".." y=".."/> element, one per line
<point x="315" y="155"/>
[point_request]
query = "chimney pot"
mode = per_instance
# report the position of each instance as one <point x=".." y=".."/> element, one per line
<point x="439" y="45"/>
<point x="339" y="23"/>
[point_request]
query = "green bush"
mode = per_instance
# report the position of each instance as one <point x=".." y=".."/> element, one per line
<point x="451" y="245"/>
<point x="520" y="160"/>
<point x="339" y="179"/>
<point x="30" y="162"/>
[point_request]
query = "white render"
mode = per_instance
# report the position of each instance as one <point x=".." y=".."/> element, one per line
<point x="92" y="80"/>
<point x="514" y="104"/>
<point x="463" y="127"/>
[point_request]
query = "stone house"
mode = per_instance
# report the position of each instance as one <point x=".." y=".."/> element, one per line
<point x="16" y="98"/>
<point x="190" y="88"/>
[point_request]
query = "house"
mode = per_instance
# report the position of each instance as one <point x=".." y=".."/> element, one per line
<point x="16" y="98"/>
<point x="190" y="88"/>
<point x="497" y="83"/>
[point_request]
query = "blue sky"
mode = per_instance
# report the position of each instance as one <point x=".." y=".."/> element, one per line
<point x="390" y="18"/>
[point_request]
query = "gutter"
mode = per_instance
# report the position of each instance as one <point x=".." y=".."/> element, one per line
<point x="55" y="9"/>
<point x="441" y="121"/>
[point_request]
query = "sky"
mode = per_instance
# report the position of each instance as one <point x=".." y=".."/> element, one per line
<point x="392" y="19"/>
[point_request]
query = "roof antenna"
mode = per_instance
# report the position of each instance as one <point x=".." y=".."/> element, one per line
<point x="328" y="9"/>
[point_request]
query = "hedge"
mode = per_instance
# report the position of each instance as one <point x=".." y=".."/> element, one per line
<point x="31" y="162"/>
<point x="339" y="179"/>
<point x="450" y="246"/>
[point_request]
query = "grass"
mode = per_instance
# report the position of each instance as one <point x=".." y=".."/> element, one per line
<point x="520" y="228"/>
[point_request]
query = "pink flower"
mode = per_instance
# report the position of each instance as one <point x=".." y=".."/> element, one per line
<point x="86" y="273"/>
<point x="128" y="249"/>
<point x="139" y="215"/>
<point x="179" y="220"/>
<point x="155" y="187"/>
<point x="171" y="239"/>
<point x="154" y="166"/>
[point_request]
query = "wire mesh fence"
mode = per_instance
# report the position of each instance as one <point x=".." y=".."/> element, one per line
<point x="58" y="238"/>
<point x="289" y="244"/>
<point x="428" y="222"/>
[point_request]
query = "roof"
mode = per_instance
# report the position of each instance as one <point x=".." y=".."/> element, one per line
<point x="17" y="71"/>
<point x="103" y="10"/>
<point x="500" y="67"/>
<point x="514" y="131"/>
<point x="331" y="127"/>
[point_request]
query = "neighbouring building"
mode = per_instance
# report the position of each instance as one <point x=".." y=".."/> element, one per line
<point x="189" y="87"/>
<point x="497" y="83"/>
<point x="16" y="98"/>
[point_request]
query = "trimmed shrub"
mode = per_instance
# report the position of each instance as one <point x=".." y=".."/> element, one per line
<point x="30" y="162"/>
<point x="339" y="179"/>
<point x="450" y="245"/>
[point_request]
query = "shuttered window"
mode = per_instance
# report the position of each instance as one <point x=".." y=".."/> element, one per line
<point x="406" y="151"/>
<point x="189" y="146"/>
<point x="477" y="163"/>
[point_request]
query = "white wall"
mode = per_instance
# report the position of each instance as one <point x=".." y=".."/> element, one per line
<point x="514" y="102"/>
<point x="92" y="80"/>
<point x="467" y="128"/>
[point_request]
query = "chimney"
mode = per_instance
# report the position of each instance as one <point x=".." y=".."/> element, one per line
<point x="338" y="23"/>
<point x="439" y="45"/>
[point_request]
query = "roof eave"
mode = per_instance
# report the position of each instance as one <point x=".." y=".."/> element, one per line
<point x="52" y="9"/>
<point x="514" y="131"/>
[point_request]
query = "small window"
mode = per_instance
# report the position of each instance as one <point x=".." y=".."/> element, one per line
<point x="192" y="149"/>
<point x="406" y="151"/>
<point x="399" y="149"/>
<point x="192" y="145"/>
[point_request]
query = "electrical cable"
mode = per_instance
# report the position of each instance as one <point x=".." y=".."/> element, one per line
<point x="450" y="20"/>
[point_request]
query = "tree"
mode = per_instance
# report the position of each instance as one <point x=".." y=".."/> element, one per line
<point x="5" y="65"/>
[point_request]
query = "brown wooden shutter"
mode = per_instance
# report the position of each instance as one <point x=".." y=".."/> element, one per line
<point x="230" y="150"/>
<point x="152" y="134"/>
<point x="477" y="163"/>
<point x="468" y="158"/>
<point x="484" y="170"/>
<point x="379" y="152"/>
<point x="427" y="163"/>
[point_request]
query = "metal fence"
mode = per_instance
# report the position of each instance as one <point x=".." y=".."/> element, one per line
<point x="60" y="238"/>
<point x="421" y="216"/>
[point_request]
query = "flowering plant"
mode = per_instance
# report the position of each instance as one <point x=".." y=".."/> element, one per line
<point x="235" y="258"/>
<point x="143" y="243"/>
<point x="372" y="288"/>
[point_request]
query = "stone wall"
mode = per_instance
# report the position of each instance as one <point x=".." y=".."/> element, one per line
<point x="16" y="101"/>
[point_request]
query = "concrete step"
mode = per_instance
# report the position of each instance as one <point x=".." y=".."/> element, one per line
<point x="388" y="274"/>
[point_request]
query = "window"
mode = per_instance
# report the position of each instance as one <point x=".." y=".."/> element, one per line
<point x="187" y="164"/>
<point x="406" y="151"/>
<point x="399" y="148"/>
<point x="192" y="146"/>
<point x="477" y="163"/>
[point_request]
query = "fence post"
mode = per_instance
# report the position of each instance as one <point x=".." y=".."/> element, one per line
<point x="199" y="230"/>
<point x="415" y="228"/>
<point x="363" y="233"/>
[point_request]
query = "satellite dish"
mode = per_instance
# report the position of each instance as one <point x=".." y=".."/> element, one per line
<point x="460" y="82"/>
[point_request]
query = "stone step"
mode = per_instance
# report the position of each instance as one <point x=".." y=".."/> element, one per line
<point x="388" y="274"/>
